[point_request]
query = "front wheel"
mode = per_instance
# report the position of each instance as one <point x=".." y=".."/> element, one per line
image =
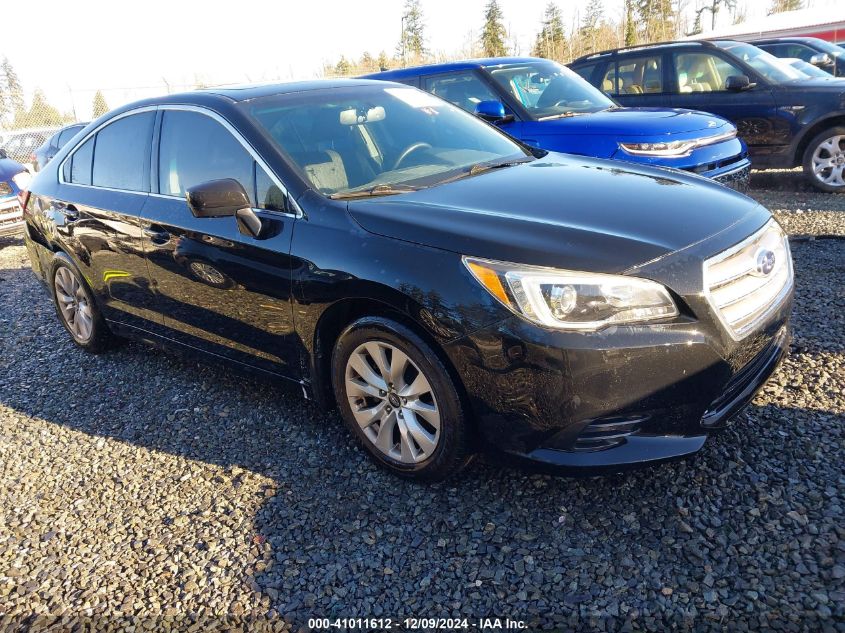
<point x="824" y="161"/>
<point x="397" y="398"/>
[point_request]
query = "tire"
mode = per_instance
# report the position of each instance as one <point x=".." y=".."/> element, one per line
<point x="826" y="148"/>
<point x="427" y="436"/>
<point x="77" y="310"/>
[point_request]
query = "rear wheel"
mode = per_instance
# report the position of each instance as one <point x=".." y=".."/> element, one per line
<point x="824" y="160"/>
<point x="399" y="400"/>
<point x="78" y="311"/>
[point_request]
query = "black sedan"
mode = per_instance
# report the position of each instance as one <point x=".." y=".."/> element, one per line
<point x="444" y="286"/>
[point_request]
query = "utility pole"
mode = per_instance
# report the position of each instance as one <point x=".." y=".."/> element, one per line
<point x="404" y="39"/>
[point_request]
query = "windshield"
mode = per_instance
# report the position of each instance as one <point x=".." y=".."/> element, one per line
<point x="382" y="138"/>
<point x="771" y="67"/>
<point x="806" y="68"/>
<point x="547" y="89"/>
<point x="828" y="47"/>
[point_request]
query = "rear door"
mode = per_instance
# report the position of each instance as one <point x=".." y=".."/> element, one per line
<point x="637" y="81"/>
<point x="104" y="184"/>
<point x="698" y="83"/>
<point x="217" y="290"/>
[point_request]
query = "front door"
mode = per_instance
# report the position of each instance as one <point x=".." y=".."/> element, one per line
<point x="218" y="290"/>
<point x="699" y="84"/>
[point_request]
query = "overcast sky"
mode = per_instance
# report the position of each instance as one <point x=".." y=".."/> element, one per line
<point x="133" y="49"/>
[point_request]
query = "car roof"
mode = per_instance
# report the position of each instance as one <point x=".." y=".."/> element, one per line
<point x="656" y="45"/>
<point x="227" y="95"/>
<point x="466" y="64"/>
<point x="772" y="40"/>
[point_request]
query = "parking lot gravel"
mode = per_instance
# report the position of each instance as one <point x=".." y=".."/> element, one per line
<point x="140" y="489"/>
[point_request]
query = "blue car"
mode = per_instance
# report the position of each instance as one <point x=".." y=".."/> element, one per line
<point x="546" y="105"/>
<point x="13" y="179"/>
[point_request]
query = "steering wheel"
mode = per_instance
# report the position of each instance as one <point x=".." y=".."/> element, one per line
<point x="413" y="147"/>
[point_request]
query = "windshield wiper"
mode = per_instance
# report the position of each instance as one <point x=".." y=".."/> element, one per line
<point x="480" y="168"/>
<point x="378" y="190"/>
<point x="562" y="115"/>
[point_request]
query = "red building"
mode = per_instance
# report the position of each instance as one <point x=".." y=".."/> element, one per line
<point x="827" y="23"/>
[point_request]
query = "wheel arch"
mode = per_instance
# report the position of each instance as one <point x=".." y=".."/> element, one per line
<point x="337" y="317"/>
<point x="814" y="130"/>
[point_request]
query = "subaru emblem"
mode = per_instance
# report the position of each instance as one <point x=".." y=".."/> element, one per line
<point x="765" y="262"/>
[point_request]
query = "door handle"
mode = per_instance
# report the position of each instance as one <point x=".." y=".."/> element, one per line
<point x="156" y="234"/>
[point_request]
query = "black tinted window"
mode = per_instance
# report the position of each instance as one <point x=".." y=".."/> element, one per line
<point x="80" y="163"/>
<point x="121" y="153"/>
<point x="269" y="196"/>
<point x="194" y="149"/>
<point x="585" y="71"/>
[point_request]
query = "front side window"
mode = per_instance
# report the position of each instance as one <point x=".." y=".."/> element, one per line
<point x="360" y="138"/>
<point x="194" y="149"/>
<point x="121" y="153"/>
<point x="548" y="90"/>
<point x="703" y="72"/>
<point x="465" y="90"/>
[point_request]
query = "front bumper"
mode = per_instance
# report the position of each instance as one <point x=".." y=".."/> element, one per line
<point x="11" y="217"/>
<point x="617" y="398"/>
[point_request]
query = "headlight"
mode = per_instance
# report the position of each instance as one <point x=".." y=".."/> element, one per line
<point x="569" y="300"/>
<point x="674" y="149"/>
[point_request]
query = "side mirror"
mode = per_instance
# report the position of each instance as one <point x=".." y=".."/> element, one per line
<point x="821" y="60"/>
<point x="492" y="112"/>
<point x="738" y="83"/>
<point x="217" y="198"/>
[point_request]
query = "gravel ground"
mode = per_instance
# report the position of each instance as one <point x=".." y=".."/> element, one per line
<point x="138" y="485"/>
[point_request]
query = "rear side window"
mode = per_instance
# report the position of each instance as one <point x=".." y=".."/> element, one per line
<point x="80" y="163"/>
<point x="634" y="76"/>
<point x="194" y="148"/>
<point x="121" y="153"/>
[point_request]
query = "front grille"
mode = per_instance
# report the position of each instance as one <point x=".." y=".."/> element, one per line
<point x="747" y="282"/>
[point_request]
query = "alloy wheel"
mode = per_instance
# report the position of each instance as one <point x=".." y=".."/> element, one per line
<point x="73" y="304"/>
<point x="393" y="402"/>
<point x="829" y="161"/>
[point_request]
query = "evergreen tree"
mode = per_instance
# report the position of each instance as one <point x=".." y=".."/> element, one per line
<point x="412" y="42"/>
<point x="343" y="67"/>
<point x="40" y="113"/>
<point x="779" y="6"/>
<point x="367" y="62"/>
<point x="551" y="39"/>
<point x="494" y="34"/>
<point x="630" y="27"/>
<point x="383" y="61"/>
<point x="99" y="106"/>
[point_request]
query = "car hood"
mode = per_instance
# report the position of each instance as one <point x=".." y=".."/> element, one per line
<point x="9" y="168"/>
<point x="623" y="123"/>
<point x="562" y="211"/>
